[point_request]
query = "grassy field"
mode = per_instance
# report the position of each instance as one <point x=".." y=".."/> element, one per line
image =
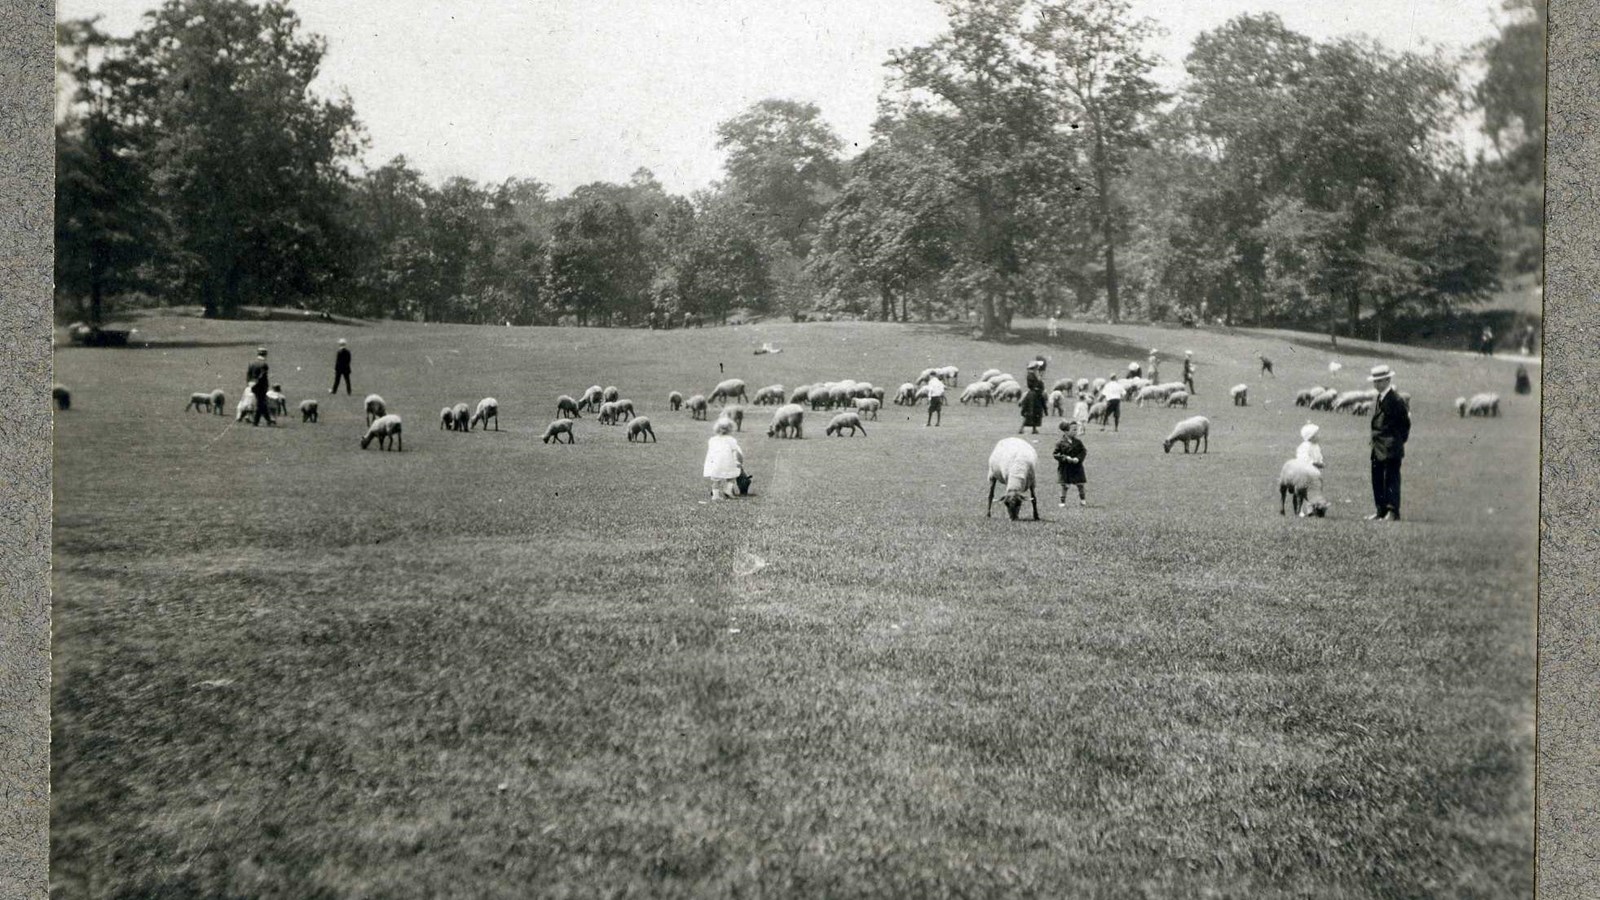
<point x="490" y="667"/>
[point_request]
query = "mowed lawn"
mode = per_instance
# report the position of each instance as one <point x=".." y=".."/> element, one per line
<point x="490" y="667"/>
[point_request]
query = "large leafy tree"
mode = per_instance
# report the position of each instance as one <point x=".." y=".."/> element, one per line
<point x="596" y="268"/>
<point x="783" y="163"/>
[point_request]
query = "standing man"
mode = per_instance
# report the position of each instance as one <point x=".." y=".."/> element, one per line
<point x="1053" y="331"/>
<point x="1151" y="366"/>
<point x="1391" y="427"/>
<point x="257" y="369"/>
<point x="935" y="400"/>
<point x="1112" y="394"/>
<point x="1188" y="370"/>
<point x="341" y="369"/>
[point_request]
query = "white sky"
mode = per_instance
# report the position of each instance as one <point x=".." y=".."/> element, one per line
<point x="574" y="91"/>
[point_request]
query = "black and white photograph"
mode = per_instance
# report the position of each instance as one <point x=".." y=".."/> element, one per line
<point x="699" y="448"/>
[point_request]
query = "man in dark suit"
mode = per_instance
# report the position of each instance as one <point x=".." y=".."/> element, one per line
<point x="257" y="368"/>
<point x="341" y="368"/>
<point x="1391" y="427"/>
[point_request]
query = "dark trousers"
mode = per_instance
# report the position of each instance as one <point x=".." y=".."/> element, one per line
<point x="1188" y="382"/>
<point x="1113" y="414"/>
<point x="336" y="377"/>
<point x="1386" y="486"/>
<point x="263" y="410"/>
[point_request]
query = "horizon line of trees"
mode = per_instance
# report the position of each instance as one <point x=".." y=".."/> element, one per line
<point x="1024" y="161"/>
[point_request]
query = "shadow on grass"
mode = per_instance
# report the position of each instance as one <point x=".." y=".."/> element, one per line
<point x="1351" y="351"/>
<point x="186" y="344"/>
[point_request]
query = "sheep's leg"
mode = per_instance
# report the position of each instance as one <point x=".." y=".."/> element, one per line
<point x="989" y="510"/>
<point x="400" y="442"/>
<point x="1283" y="495"/>
<point x="1206" y="441"/>
<point x="1033" y="492"/>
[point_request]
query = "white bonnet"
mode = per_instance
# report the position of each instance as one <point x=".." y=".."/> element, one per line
<point x="1308" y="431"/>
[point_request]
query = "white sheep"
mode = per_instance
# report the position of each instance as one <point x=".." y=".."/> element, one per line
<point x="1306" y="395"/>
<point x="1095" y="386"/>
<point x="567" y="408"/>
<point x="1013" y="463"/>
<point x="734" y="415"/>
<point x="868" y="406"/>
<point x="1098" y="411"/>
<point x="1196" y="429"/>
<point x="845" y="420"/>
<point x="906" y="395"/>
<point x="488" y="408"/>
<point x="771" y="395"/>
<point x="608" y="413"/>
<point x="245" y="408"/>
<point x="675" y="401"/>
<point x="787" y="421"/>
<point x="460" y="417"/>
<point x="1461" y="407"/>
<point x="1058" y="402"/>
<point x="308" y="410"/>
<point x="1082" y="386"/>
<point x="1303" y="482"/>
<point x="277" y="402"/>
<point x="200" y="401"/>
<point x="697" y="407"/>
<point x="1325" y="399"/>
<point x="1343" y="401"/>
<point x="385" y="428"/>
<point x="999" y="378"/>
<point x="1483" y="405"/>
<point x="1177" y="398"/>
<point x="801" y="394"/>
<point x="610" y="394"/>
<point x="558" y="428"/>
<point x="978" y="390"/>
<point x="1008" y="391"/>
<point x="63" y="397"/>
<point x="947" y="374"/>
<point x="640" y="428"/>
<point x="592" y="397"/>
<point x="1362" y="407"/>
<point x="375" y="408"/>
<point x="728" y="390"/>
<point x="988" y="373"/>
<point x="1240" y="394"/>
<point x="624" y="409"/>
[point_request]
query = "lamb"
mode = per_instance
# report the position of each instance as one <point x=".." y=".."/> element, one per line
<point x="557" y="428"/>
<point x="1177" y="398"/>
<point x="460" y="417"/>
<point x="591" y="398"/>
<point x="1325" y="399"/>
<point x="308" y="410"/>
<point x="1302" y="481"/>
<point x="1196" y="429"/>
<point x="727" y="390"/>
<point x="219" y="401"/>
<point x="447" y="419"/>
<point x="675" y="401"/>
<point x="201" y="400"/>
<point x="1097" y="412"/>
<point x="1240" y="394"/>
<point x="697" y="407"/>
<point x="906" y="395"/>
<point x="978" y="390"/>
<point x="1306" y="395"/>
<point x="1013" y="463"/>
<point x="869" y="406"/>
<point x="640" y="428"/>
<point x="624" y="409"/>
<point x="787" y="421"/>
<point x="771" y="395"/>
<point x="567" y="408"/>
<point x="845" y="420"/>
<point x="488" y="408"/>
<point x="384" y="428"/>
<point x="608" y="413"/>
<point x="279" y="403"/>
<point x="1484" y="405"/>
<point x="1057" y="403"/>
<point x="610" y="394"/>
<point x="375" y="408"/>
<point x="63" y="397"/>
<point x="1343" y="401"/>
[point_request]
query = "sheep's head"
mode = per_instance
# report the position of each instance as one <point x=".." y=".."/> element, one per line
<point x="1166" y="446"/>
<point x="1013" y="503"/>
<point x="365" y="440"/>
<point x="1318" y="508"/>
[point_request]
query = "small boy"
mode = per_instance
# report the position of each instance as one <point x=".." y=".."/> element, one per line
<point x="1080" y="412"/>
<point x="1069" y="454"/>
<point x="1309" y="450"/>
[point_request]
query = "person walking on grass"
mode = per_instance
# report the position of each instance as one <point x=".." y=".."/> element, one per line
<point x="257" y="368"/>
<point x="1188" y="370"/>
<point x="724" y="460"/>
<point x="1112" y="394"/>
<point x="341" y="368"/>
<point x="1391" y="428"/>
<point x="263" y="408"/>
<point x="935" y="401"/>
<point x="1070" y="454"/>
<point x="1033" y="404"/>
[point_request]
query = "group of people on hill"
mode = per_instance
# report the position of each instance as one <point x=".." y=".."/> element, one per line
<point x="257" y="381"/>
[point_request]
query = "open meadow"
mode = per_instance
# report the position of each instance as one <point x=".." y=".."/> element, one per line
<point x="491" y="667"/>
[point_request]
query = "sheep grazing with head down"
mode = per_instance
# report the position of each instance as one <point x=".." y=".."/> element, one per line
<point x="976" y="391"/>
<point x="988" y="374"/>
<point x="488" y="408"/>
<point x="566" y="407"/>
<point x="801" y="394"/>
<point x="1196" y="430"/>
<point x="1008" y="392"/>
<point x="625" y="409"/>
<point x="1098" y="411"/>
<point x="1324" y="400"/>
<point x="1177" y="398"/>
<point x="558" y="428"/>
<point x="1240" y="394"/>
<point x="308" y="410"/>
<point x="1483" y="405"/>
<point x="771" y="395"/>
<point x="608" y="413"/>
<point x="219" y="402"/>
<point x="279" y="402"/>
<point x="385" y="429"/>
<point x="1362" y="407"/>
<point x="734" y="414"/>
<point x="675" y="401"/>
<point x="697" y="407"/>
<point x="1344" y="400"/>
<point x="447" y="419"/>
<point x="1057" y="404"/>
<point x="1082" y="386"/>
<point x="460" y="417"/>
<point x="1301" y="481"/>
<point x="610" y="394"/>
<point x="63" y="397"/>
<point x="375" y="408"/>
<point x="906" y="395"/>
<point x="200" y="401"/>
<point x="1013" y="463"/>
<point x="844" y="420"/>
<point x="787" y="421"/>
<point x="1306" y="395"/>
<point x="732" y="388"/>
<point x="640" y="428"/>
<point x="592" y="397"/>
<point x="868" y="406"/>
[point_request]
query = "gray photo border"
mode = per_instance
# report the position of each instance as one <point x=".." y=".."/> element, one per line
<point x="1567" y="780"/>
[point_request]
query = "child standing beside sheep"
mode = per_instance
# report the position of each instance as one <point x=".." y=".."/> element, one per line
<point x="724" y="460"/>
<point x="1070" y="453"/>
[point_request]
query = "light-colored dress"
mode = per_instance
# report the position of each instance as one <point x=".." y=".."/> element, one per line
<point x="1309" y="452"/>
<point x="723" y="457"/>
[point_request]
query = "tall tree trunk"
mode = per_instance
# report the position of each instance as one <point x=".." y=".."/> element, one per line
<point x="903" y="301"/>
<point x="1103" y="182"/>
<point x="885" y="303"/>
<point x="95" y="294"/>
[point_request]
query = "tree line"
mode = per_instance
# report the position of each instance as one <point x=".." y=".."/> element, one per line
<point x="1024" y="161"/>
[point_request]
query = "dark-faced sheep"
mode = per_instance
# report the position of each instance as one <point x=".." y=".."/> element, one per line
<point x="219" y="402"/>
<point x="1302" y="482"/>
<point x="697" y="407"/>
<point x="61" y="397"/>
<point x="1196" y="430"/>
<point x="308" y="410"/>
<point x="447" y="419"/>
<point x="558" y="428"/>
<point x="1013" y="463"/>
<point x="731" y="389"/>
<point x="488" y="408"/>
<point x="675" y="401"/>
<point x="375" y="408"/>
<point x="566" y="407"/>
<point x="640" y="428"/>
<point x="842" y="421"/>
<point x="787" y="421"/>
<point x="385" y="429"/>
<point x="735" y="415"/>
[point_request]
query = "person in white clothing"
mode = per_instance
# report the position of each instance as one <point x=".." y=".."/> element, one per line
<point x="1112" y="394"/>
<point x="724" y="460"/>
<point x="935" y="401"/>
<point x="1309" y="450"/>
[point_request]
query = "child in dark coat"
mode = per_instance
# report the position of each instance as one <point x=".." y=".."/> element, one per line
<point x="1069" y="454"/>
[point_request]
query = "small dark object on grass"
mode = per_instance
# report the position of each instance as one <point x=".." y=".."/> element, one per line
<point x="742" y="482"/>
<point x="1524" y="384"/>
<point x="61" y="396"/>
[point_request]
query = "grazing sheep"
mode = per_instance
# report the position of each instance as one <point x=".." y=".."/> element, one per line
<point x="1302" y="481"/>
<point x="566" y="407"/>
<point x="488" y="408"/>
<point x="1177" y="398"/>
<point x="868" y="406"/>
<point x="801" y="394"/>
<point x="728" y="390"/>
<point x="1362" y="407"/>
<point x="1483" y="405"/>
<point x="697" y="407"/>
<point x="245" y="408"/>
<point x="610" y="394"/>
<point x="1196" y="429"/>
<point x="771" y="395"/>
<point x="878" y="394"/>
<point x="279" y="404"/>
<point x="201" y="401"/>
<point x="988" y="373"/>
<point x="1325" y="399"/>
<point x="906" y="395"/>
<point x="1343" y="401"/>
<point x="734" y="414"/>
<point x="640" y="428"/>
<point x="219" y="402"/>
<point x="375" y="408"/>
<point x="999" y="378"/>
<point x="787" y="421"/>
<point x="1097" y="412"/>
<point x="978" y="390"/>
<point x="592" y="398"/>
<point x="921" y="394"/>
<point x="1064" y="385"/>
<point x="308" y="410"/>
<point x="557" y="428"/>
<point x="1461" y="407"/>
<point x="1057" y="403"/>
<point x="1095" y="386"/>
<point x="384" y="428"/>
<point x="675" y="401"/>
<point x="1013" y="463"/>
<point x="447" y="419"/>
<point x="842" y="421"/>
<point x="1082" y="386"/>
<point x="1008" y="391"/>
<point x="608" y="413"/>
<point x="63" y="397"/>
<point x="1306" y="395"/>
<point x="460" y="417"/>
<point x="947" y="374"/>
<point x="1240" y="394"/>
<point x="838" y="396"/>
<point x="625" y="409"/>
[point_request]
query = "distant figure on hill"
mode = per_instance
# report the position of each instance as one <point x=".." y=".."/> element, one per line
<point x="1524" y="384"/>
<point x="1053" y="330"/>
<point x="1070" y="454"/>
<point x="1527" y="339"/>
<point x="935" y="401"/>
<point x="1150" y="365"/>
<point x="1266" y="367"/>
<point x="1486" y="341"/>
<point x="1188" y="370"/>
<point x="341" y="368"/>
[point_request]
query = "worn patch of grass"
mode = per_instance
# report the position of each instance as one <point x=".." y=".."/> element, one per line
<point x="491" y="667"/>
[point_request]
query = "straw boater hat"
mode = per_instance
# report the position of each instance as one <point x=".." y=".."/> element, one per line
<point x="341" y="342"/>
<point x="1188" y="353"/>
<point x="1379" y="373"/>
<point x="1308" y="431"/>
<point x="261" y="351"/>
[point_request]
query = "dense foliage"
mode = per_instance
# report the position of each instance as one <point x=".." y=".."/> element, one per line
<point x="1024" y="161"/>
